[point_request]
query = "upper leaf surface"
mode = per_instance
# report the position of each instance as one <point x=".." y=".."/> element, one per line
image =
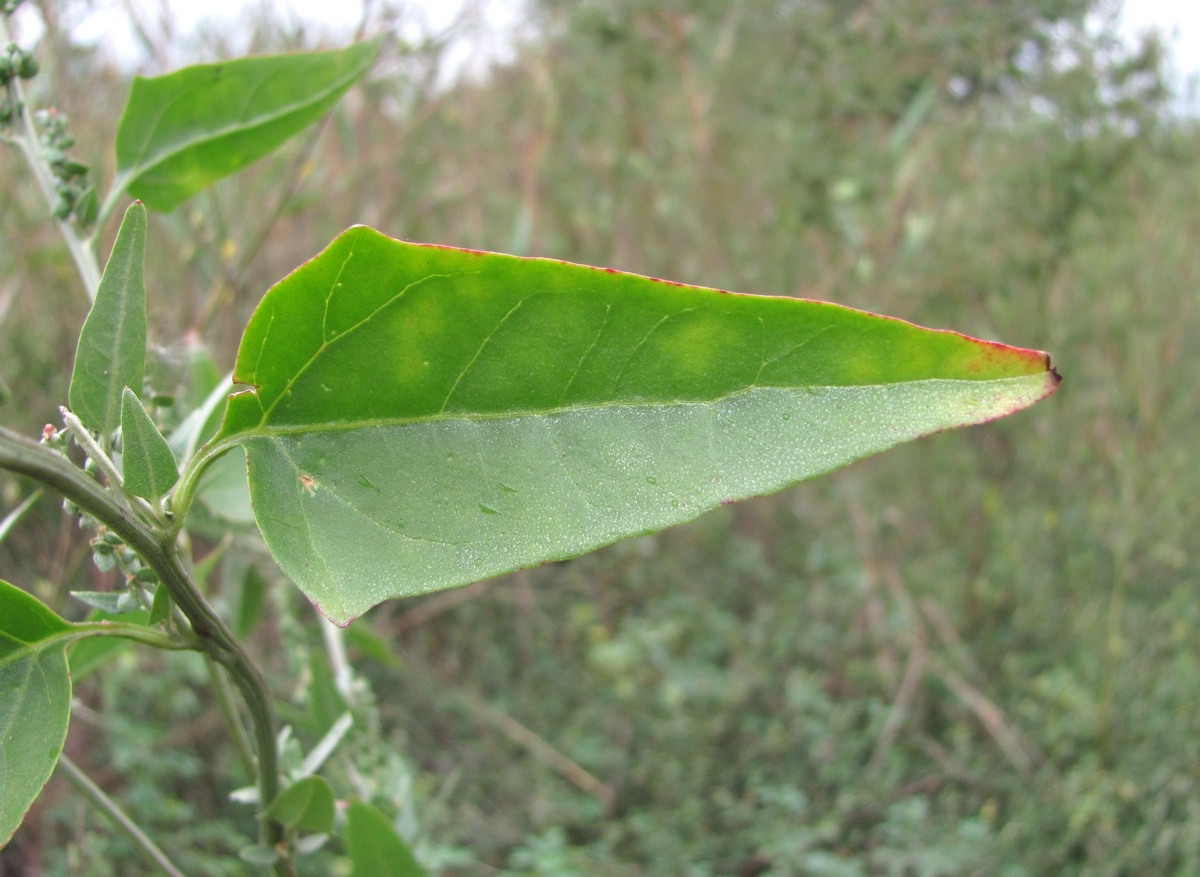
<point x="111" y="354"/>
<point x="423" y="416"/>
<point x="35" y="701"/>
<point x="148" y="464"/>
<point x="184" y="131"/>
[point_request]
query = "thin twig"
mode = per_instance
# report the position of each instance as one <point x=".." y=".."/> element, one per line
<point x="10" y="520"/>
<point x="914" y="671"/>
<point x="233" y="721"/>
<point x="540" y="748"/>
<point x="335" y="648"/>
<point x="110" y="808"/>
<point x="1019" y="751"/>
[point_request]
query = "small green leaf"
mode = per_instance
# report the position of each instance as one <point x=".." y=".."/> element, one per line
<point x="422" y="417"/>
<point x="160" y="606"/>
<point x="35" y="701"/>
<point x="148" y="467"/>
<point x="87" y="207"/>
<point x="375" y="848"/>
<point x="260" y="855"/>
<point x="306" y="805"/>
<point x="108" y="602"/>
<point x="247" y="599"/>
<point x="182" y="132"/>
<point x="112" y="345"/>
<point x="326" y="703"/>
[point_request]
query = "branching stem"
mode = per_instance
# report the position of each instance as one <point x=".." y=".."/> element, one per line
<point x="157" y="547"/>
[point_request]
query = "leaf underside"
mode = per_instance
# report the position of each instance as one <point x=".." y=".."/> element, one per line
<point x="421" y="417"/>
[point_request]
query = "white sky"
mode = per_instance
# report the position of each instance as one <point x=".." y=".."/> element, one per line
<point x="1178" y="19"/>
<point x="108" y="20"/>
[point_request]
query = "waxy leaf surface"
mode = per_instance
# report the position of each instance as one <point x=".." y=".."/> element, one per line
<point x="35" y="701"/>
<point x="184" y="131"/>
<point x="422" y="417"/>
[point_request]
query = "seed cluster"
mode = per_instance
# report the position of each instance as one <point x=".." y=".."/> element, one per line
<point x="15" y="63"/>
<point x="74" y="197"/>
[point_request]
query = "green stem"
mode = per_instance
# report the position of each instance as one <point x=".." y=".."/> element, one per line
<point x="26" y="140"/>
<point x="15" y="515"/>
<point x="98" y="456"/>
<point x="157" y="547"/>
<point x="241" y="742"/>
<point x="113" y="811"/>
<point x="193" y="470"/>
<point x="147" y="636"/>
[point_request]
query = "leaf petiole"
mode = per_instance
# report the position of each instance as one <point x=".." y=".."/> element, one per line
<point x="82" y="435"/>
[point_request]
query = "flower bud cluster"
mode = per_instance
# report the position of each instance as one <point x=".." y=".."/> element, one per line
<point x="15" y="63"/>
<point x="74" y="195"/>
<point x="110" y="552"/>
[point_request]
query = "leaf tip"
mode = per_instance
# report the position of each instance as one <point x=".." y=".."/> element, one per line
<point x="1053" y="378"/>
<point x="342" y="618"/>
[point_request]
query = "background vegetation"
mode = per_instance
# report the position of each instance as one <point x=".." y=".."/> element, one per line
<point x="973" y="655"/>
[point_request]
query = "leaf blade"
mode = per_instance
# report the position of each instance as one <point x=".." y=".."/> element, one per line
<point x="111" y="353"/>
<point x="183" y="131"/>
<point x="148" y="465"/>
<point x="374" y="846"/>
<point x="35" y="701"/>
<point x="423" y="417"/>
<point x="306" y="805"/>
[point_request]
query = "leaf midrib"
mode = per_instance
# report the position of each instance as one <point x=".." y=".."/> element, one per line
<point x="26" y="650"/>
<point x="264" y="430"/>
<point x="142" y="168"/>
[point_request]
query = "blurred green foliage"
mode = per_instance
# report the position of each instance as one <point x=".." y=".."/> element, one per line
<point x="974" y="655"/>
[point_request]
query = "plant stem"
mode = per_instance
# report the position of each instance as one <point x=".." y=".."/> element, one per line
<point x="15" y="515"/>
<point x="189" y="479"/>
<point x="148" y="636"/>
<point x="91" y="447"/>
<point x="157" y="547"/>
<point x="27" y="141"/>
<point x="110" y="808"/>
<point x="237" y="730"/>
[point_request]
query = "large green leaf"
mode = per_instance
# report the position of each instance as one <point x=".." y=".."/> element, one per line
<point x="111" y="354"/>
<point x="421" y="417"/>
<point x="35" y="701"/>
<point x="184" y="131"/>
